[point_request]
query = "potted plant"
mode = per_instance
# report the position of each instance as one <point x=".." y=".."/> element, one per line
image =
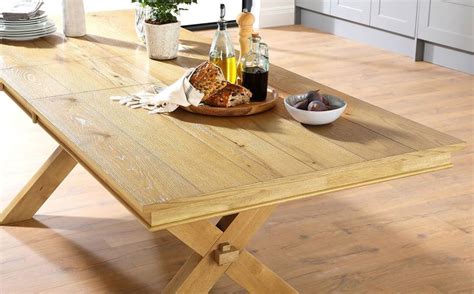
<point x="162" y="27"/>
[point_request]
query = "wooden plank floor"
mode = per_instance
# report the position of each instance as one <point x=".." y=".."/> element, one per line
<point x="408" y="235"/>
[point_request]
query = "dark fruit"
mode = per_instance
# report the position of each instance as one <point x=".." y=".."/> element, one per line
<point x="325" y="100"/>
<point x="313" y="95"/>
<point x="317" y="105"/>
<point x="316" y="96"/>
<point x="303" y="104"/>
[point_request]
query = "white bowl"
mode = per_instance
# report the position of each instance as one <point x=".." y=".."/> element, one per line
<point x="315" y="117"/>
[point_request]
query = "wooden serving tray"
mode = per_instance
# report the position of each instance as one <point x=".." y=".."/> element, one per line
<point x="240" y="110"/>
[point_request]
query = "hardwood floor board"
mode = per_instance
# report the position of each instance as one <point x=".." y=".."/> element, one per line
<point x="105" y="263"/>
<point x="141" y="276"/>
<point x="351" y="258"/>
<point x="411" y="235"/>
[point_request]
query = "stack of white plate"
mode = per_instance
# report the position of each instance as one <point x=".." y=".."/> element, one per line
<point x="22" y="30"/>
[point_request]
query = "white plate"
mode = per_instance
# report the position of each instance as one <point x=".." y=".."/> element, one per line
<point x="53" y="28"/>
<point x="20" y="22"/>
<point x="23" y="22"/>
<point x="28" y="36"/>
<point x="39" y="18"/>
<point x="27" y="30"/>
<point x="41" y="26"/>
<point x="15" y="27"/>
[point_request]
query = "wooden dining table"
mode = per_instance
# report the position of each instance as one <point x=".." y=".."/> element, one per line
<point x="178" y="171"/>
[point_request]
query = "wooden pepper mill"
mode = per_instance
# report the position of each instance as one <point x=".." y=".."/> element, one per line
<point x="245" y="20"/>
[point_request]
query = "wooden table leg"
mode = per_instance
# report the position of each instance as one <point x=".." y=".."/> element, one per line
<point x="255" y="277"/>
<point x="201" y="271"/>
<point x="39" y="188"/>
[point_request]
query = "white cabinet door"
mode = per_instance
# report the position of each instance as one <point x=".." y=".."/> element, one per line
<point x="397" y="16"/>
<point x="355" y="10"/>
<point x="447" y="22"/>
<point x="323" y="6"/>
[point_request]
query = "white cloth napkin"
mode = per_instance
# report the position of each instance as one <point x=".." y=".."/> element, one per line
<point x="163" y="100"/>
<point x="20" y="9"/>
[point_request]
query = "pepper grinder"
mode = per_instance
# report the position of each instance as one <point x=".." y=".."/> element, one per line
<point x="74" y="19"/>
<point x="245" y="20"/>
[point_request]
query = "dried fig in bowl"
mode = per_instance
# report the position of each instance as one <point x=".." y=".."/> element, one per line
<point x="318" y="112"/>
<point x="317" y="105"/>
<point x="303" y="104"/>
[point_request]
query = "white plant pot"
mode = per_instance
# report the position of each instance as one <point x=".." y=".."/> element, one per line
<point x="162" y="40"/>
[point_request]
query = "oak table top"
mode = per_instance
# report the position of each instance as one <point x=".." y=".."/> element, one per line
<point x="182" y="167"/>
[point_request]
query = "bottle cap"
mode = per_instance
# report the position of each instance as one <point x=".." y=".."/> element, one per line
<point x="255" y="34"/>
<point x="222" y="10"/>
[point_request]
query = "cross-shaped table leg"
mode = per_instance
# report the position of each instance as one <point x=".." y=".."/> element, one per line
<point x="39" y="188"/>
<point x="201" y="271"/>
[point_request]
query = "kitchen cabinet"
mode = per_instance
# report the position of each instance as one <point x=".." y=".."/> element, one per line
<point x="436" y="31"/>
<point x="323" y="6"/>
<point x="447" y="22"/>
<point x="354" y="10"/>
<point x="397" y="16"/>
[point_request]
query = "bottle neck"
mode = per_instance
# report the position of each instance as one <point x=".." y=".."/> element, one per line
<point x="255" y="45"/>
<point x="221" y="25"/>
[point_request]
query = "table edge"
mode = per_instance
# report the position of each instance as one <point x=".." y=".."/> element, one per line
<point x="314" y="183"/>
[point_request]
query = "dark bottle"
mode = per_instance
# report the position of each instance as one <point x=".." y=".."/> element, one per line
<point x="256" y="80"/>
<point x="255" y="65"/>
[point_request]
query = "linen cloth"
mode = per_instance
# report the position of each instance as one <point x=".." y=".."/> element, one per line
<point x="20" y="9"/>
<point x="164" y="100"/>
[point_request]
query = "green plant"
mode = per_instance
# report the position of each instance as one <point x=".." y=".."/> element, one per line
<point x="163" y="11"/>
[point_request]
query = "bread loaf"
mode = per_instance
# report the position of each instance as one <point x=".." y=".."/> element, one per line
<point x="209" y="79"/>
<point x="230" y="95"/>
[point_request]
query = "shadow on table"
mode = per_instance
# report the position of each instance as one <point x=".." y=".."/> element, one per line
<point x="102" y="40"/>
<point x="186" y="61"/>
<point x="185" y="45"/>
<point x="350" y="129"/>
<point x="195" y="45"/>
<point x="106" y="248"/>
<point x="266" y="122"/>
<point x="345" y="130"/>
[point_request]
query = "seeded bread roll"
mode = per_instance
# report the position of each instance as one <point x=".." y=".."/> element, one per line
<point x="208" y="79"/>
<point x="230" y="95"/>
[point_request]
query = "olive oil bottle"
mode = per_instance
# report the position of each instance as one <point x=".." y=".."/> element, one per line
<point x="228" y="66"/>
<point x="222" y="51"/>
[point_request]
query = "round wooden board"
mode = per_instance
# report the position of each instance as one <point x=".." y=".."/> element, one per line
<point x="239" y="110"/>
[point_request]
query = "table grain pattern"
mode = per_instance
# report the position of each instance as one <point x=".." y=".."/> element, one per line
<point x="182" y="167"/>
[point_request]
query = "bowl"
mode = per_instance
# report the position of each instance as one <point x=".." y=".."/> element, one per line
<point x="315" y="117"/>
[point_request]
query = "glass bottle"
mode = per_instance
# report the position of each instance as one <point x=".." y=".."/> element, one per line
<point x="222" y="51"/>
<point x="141" y="13"/>
<point x="255" y="65"/>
